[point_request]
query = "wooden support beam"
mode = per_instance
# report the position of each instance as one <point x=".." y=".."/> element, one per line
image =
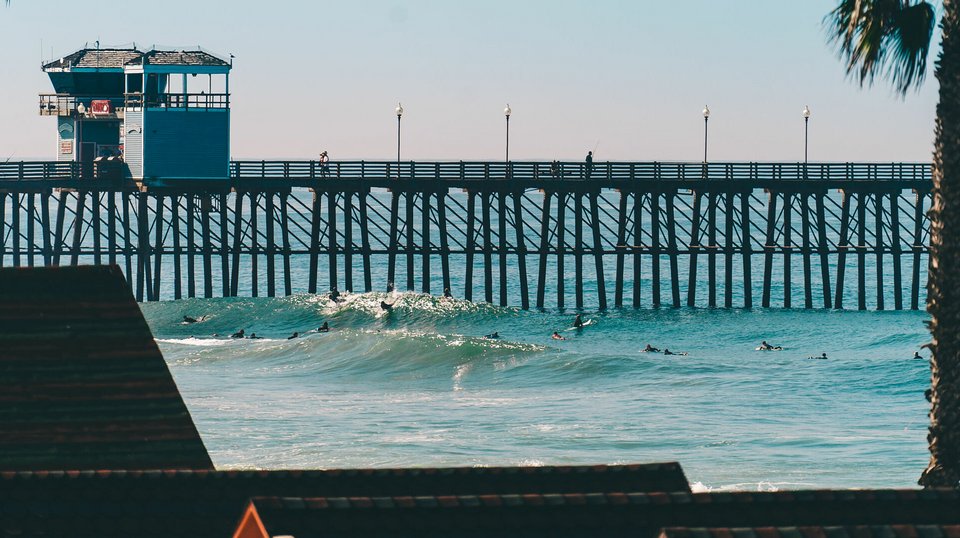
<point x="59" y="239"/>
<point x="578" y="248"/>
<point x="824" y="249"/>
<point x="487" y="248"/>
<point x="333" y="276"/>
<point x="347" y="240"/>
<point x="917" y="248"/>
<point x="238" y="244"/>
<point x="637" y="247"/>
<point x="285" y="235"/>
<point x="175" y="231"/>
<point x="878" y="246"/>
<point x="31" y="230"/>
<point x="861" y="250"/>
<point x="111" y="225"/>
<point x="672" y="247"/>
<point x="621" y="249"/>
<point x="895" y="250"/>
<point x="598" y="250"/>
<point x="425" y="250"/>
<point x="843" y="245"/>
<point x="15" y="231"/>
<point x="270" y="224"/>
<point x="191" y="245"/>
<point x="77" y="229"/>
<point x="806" y="250"/>
<point x="544" y="248"/>
<point x="3" y="225"/>
<point x="521" y="249"/>
<point x="365" y="242"/>
<point x="315" y="213"/>
<point x="255" y="245"/>
<point x="694" y="249"/>
<point x="471" y="244"/>
<point x="143" y="243"/>
<point x="205" y="209"/>
<point x="787" y="250"/>
<point x="394" y="240"/>
<point x="444" y="242"/>
<point x="769" y="246"/>
<point x="157" y="246"/>
<point x="127" y="243"/>
<point x="224" y="246"/>
<point x="45" y="225"/>
<point x="409" y="245"/>
<point x="728" y="249"/>
<point x="502" y="245"/>
<point x="746" y="249"/>
<point x="561" y="246"/>
<point x="712" y="249"/>
<point x="655" y="249"/>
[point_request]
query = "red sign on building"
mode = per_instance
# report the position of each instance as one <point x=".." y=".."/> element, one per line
<point x="101" y="107"/>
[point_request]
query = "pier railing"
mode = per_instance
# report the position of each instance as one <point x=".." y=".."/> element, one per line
<point x="306" y="172"/>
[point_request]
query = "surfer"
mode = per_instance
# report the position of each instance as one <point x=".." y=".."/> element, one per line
<point x="294" y="335"/>
<point x="334" y="295"/>
<point x="557" y="336"/>
<point x="447" y="294"/>
<point x="578" y="321"/>
<point x="492" y="336"/>
<point x="238" y="334"/>
<point x="666" y="351"/>
<point x="823" y="356"/>
<point x="916" y="355"/>
<point x="325" y="328"/>
<point x="253" y="336"/>
<point x="651" y="349"/>
<point x="764" y="346"/>
<point x="188" y="319"/>
<point x="386" y="306"/>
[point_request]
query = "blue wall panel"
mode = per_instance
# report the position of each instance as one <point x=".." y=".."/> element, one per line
<point x="186" y="144"/>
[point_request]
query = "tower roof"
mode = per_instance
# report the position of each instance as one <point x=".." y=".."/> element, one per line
<point x="120" y="58"/>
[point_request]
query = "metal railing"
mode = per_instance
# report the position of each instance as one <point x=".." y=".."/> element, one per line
<point x="60" y="104"/>
<point x="178" y="100"/>
<point x="461" y="171"/>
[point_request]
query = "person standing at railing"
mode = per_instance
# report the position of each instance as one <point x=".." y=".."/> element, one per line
<point x="589" y="164"/>
<point x="324" y="164"/>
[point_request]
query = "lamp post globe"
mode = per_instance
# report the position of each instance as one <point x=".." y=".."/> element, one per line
<point x="506" y="114"/>
<point x="806" y="130"/>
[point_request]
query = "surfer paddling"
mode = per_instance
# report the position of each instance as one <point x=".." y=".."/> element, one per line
<point x="557" y="336"/>
<point x="764" y="346"/>
<point x="650" y="349"/>
<point x="238" y="334"/>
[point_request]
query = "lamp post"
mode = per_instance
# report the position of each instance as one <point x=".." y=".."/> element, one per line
<point x="706" y="119"/>
<point x="399" y="114"/>
<point x="506" y="114"/>
<point x="806" y="129"/>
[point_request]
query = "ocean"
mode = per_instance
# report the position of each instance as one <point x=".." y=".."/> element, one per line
<point x="421" y="386"/>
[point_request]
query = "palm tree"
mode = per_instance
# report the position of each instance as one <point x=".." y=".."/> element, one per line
<point x="891" y="38"/>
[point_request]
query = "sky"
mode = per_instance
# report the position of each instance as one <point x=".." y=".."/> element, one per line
<point x="626" y="78"/>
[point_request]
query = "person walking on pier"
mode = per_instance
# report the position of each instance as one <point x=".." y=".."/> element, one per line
<point x="589" y="164"/>
<point x="324" y="164"/>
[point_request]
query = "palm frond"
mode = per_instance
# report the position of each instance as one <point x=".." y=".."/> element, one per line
<point x="886" y="37"/>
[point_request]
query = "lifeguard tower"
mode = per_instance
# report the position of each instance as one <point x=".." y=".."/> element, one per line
<point x="158" y="116"/>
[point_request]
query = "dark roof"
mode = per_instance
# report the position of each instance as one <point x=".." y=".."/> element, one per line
<point x="118" y="58"/>
<point x="856" y="531"/>
<point x="594" y="514"/>
<point x="209" y="503"/>
<point x="82" y="382"/>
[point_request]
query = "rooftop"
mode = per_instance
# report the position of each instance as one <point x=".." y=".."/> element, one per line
<point x="119" y="58"/>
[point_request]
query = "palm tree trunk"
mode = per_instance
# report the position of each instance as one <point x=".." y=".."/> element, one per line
<point x="944" y="287"/>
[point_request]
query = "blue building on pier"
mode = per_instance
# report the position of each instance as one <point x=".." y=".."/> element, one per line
<point x="165" y="114"/>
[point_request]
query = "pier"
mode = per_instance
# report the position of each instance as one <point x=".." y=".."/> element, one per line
<point x="525" y="234"/>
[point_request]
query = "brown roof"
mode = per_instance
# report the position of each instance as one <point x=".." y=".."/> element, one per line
<point x="82" y="382"/>
<point x="594" y="514"/>
<point x="209" y="503"/>
<point x="117" y="58"/>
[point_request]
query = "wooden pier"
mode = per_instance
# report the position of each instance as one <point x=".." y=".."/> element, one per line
<point x="639" y="234"/>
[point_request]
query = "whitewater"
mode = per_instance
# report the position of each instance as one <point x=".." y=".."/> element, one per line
<point x="421" y="386"/>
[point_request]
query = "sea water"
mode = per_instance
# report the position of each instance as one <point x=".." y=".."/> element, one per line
<point x="420" y="386"/>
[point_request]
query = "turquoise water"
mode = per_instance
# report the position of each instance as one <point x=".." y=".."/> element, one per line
<point x="419" y="386"/>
